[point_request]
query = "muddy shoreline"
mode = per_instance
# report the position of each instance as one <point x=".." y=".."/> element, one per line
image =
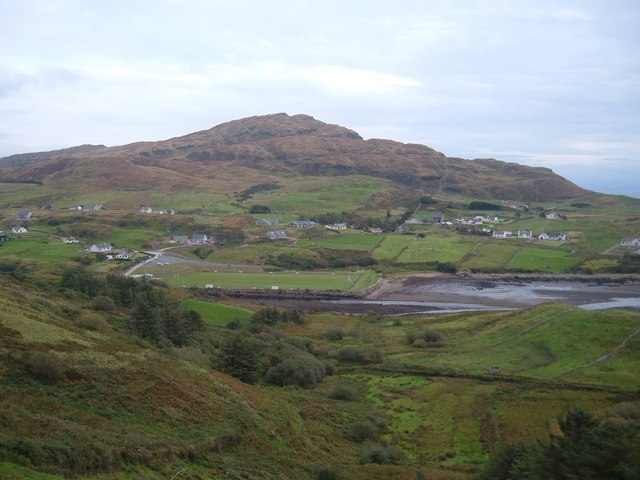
<point x="437" y="292"/>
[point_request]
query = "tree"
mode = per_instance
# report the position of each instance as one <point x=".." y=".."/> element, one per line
<point x="238" y="358"/>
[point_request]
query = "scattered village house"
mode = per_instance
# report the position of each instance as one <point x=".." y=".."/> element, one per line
<point x="336" y="226"/>
<point x="525" y="234"/>
<point x="69" y="239"/>
<point x="100" y="247"/>
<point x="301" y="224"/>
<point x="18" y="230"/>
<point x="437" y="217"/>
<point x="123" y="256"/>
<point x="375" y="230"/>
<point x="630" y="242"/>
<point x="403" y="229"/>
<point x="180" y="239"/>
<point x="94" y="207"/>
<point x="502" y="234"/>
<point x="3" y="237"/>
<point x="199" y="238"/>
<point x="276" y="234"/>
<point x="267" y="222"/>
<point x="553" y="216"/>
<point x="144" y="209"/>
<point x="552" y="236"/>
<point x="25" y="215"/>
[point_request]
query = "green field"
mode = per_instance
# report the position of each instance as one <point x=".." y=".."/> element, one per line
<point x="542" y="260"/>
<point x="436" y="249"/>
<point x="494" y="255"/>
<point x="218" y="313"/>
<point x="338" y="280"/>
<point x="348" y="240"/>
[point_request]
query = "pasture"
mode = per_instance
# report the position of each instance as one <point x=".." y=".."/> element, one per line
<point x="319" y="280"/>
<point x="218" y="313"/>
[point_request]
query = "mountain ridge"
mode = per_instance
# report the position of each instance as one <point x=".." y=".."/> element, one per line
<point x="282" y="144"/>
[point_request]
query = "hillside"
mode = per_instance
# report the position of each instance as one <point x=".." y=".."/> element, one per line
<point x="82" y="394"/>
<point x="265" y="148"/>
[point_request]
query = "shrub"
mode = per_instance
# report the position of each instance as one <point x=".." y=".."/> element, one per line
<point x="343" y="392"/>
<point x="425" y="339"/>
<point x="45" y="366"/>
<point x="259" y="209"/>
<point x="325" y="473"/>
<point x="380" y="454"/>
<point x="334" y="334"/>
<point x="360" y="355"/>
<point x="103" y="303"/>
<point x="365" y="431"/>
<point x="94" y="322"/>
<point x="304" y="370"/>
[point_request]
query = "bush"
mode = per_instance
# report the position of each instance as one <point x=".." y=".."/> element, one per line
<point x="94" y="322"/>
<point x="103" y="303"/>
<point x="380" y="454"/>
<point x="259" y="209"/>
<point x="45" y="366"/>
<point x="343" y="392"/>
<point x="304" y="370"/>
<point x="425" y="339"/>
<point x="325" y="473"/>
<point x="360" y="355"/>
<point x="334" y="334"/>
<point x="365" y="431"/>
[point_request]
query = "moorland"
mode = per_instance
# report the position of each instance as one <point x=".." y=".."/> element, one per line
<point x="118" y="363"/>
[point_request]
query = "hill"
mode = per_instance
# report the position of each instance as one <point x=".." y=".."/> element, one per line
<point x="265" y="148"/>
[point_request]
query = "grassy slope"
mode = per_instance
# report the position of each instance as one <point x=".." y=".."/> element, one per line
<point x="119" y="393"/>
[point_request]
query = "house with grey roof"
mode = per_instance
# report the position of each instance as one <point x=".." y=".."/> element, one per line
<point x="199" y="238"/>
<point x="301" y="224"/>
<point x="630" y="242"/>
<point x="180" y="239"/>
<point x="558" y="237"/>
<point x="276" y="234"/>
<point x="267" y="222"/>
<point x="100" y="248"/>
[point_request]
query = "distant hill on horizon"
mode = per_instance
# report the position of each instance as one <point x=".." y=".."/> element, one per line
<point x="267" y="147"/>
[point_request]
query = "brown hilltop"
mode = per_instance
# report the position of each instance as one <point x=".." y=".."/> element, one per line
<point x="257" y="147"/>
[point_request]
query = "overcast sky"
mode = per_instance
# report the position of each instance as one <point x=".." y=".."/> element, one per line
<point x="553" y="83"/>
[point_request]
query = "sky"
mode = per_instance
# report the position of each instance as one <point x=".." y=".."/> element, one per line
<point x="548" y="83"/>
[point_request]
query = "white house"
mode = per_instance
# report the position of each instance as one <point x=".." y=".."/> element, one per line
<point x="18" y="230"/>
<point x="525" y="234"/>
<point x="375" y="230"/>
<point x="25" y="215"/>
<point x="199" y="238"/>
<point x="553" y="216"/>
<point x="144" y="209"/>
<point x="302" y="224"/>
<point x="94" y="207"/>
<point x="630" y="242"/>
<point x="267" y="222"/>
<point x="275" y="234"/>
<point x="180" y="239"/>
<point x="100" y="247"/>
<point x="336" y="226"/>
<point x="502" y="234"/>
<point x="123" y="256"/>
<point x="558" y="237"/>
